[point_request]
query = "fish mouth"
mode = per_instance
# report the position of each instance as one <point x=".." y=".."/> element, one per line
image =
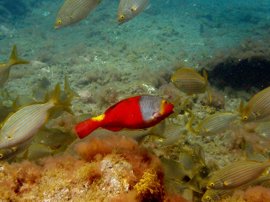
<point x="120" y="22"/>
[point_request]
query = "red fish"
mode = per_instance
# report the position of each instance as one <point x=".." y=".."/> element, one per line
<point x="132" y="113"/>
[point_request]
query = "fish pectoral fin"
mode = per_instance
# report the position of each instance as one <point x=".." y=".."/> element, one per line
<point x="112" y="128"/>
<point x="226" y="183"/>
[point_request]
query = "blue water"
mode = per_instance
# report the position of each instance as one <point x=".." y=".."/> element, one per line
<point x="100" y="56"/>
<point x="105" y="61"/>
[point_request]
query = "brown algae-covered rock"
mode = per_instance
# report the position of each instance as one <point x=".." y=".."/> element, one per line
<point x="118" y="173"/>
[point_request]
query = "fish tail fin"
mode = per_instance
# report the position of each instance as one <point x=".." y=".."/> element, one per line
<point x="86" y="127"/>
<point x="62" y="99"/>
<point x="14" y="59"/>
<point x="205" y="76"/>
<point x="209" y="95"/>
<point x="208" y="89"/>
<point x="189" y="126"/>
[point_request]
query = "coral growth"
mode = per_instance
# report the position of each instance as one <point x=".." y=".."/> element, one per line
<point x="113" y="168"/>
<point x="103" y="146"/>
<point x="150" y="188"/>
<point x="257" y="194"/>
<point x="252" y="194"/>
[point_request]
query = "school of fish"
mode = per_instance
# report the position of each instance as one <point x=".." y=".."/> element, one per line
<point x="137" y="112"/>
<point x="73" y="11"/>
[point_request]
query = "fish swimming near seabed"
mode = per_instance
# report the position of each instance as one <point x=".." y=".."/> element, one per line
<point x="5" y="67"/>
<point x="22" y="125"/>
<point x="213" y="124"/>
<point x="257" y="108"/>
<point x="74" y="11"/>
<point x="213" y="195"/>
<point x="237" y="174"/>
<point x="128" y="9"/>
<point x="137" y="112"/>
<point x="190" y="81"/>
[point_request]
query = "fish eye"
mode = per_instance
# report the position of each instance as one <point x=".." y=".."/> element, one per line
<point x="211" y="185"/>
<point x="59" y="22"/>
<point x="133" y="9"/>
<point x="245" y="118"/>
<point x="207" y="198"/>
<point x="121" y="17"/>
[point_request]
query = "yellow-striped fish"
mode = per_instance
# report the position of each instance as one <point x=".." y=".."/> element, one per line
<point x="213" y="195"/>
<point x="258" y="107"/>
<point x="190" y="81"/>
<point x="128" y="9"/>
<point x="74" y="11"/>
<point x="237" y="174"/>
<point x="5" y="67"/>
<point x="213" y="124"/>
<point x="23" y="124"/>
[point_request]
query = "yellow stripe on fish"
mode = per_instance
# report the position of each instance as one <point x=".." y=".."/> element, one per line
<point x="236" y="174"/>
<point x="213" y="195"/>
<point x="213" y="124"/>
<point x="258" y="107"/>
<point x="190" y="81"/>
<point x="74" y="11"/>
<point x="23" y="124"/>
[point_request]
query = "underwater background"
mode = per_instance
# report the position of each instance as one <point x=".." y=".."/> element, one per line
<point x="105" y="62"/>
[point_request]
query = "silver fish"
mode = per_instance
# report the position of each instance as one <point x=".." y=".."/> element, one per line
<point x="216" y="123"/>
<point x="128" y="9"/>
<point x="74" y="11"/>
<point x="258" y="107"/>
<point x="213" y="195"/>
<point x="23" y="124"/>
<point x="237" y="174"/>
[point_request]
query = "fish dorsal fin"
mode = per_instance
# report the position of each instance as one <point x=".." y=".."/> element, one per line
<point x="205" y="76"/>
<point x="209" y="94"/>
<point x="14" y="59"/>
<point x="189" y="126"/>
